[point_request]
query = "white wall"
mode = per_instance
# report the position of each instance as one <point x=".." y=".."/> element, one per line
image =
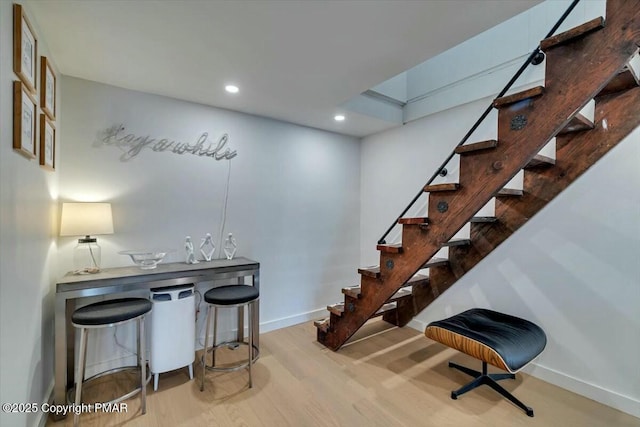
<point x="28" y="216"/>
<point x="573" y="269"/>
<point x="482" y="65"/>
<point x="293" y="200"/>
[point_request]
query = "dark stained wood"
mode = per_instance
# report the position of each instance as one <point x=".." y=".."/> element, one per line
<point x="509" y="192"/>
<point x="517" y="97"/>
<point x="435" y="262"/>
<point x="576" y="153"/>
<point x="457" y="242"/>
<point x="441" y="187"/>
<point x="625" y="80"/>
<point x="576" y="72"/>
<point x="572" y="34"/>
<point x="395" y="248"/>
<point x="373" y="271"/>
<point x="418" y="279"/>
<point x="477" y="146"/>
<point x="336" y="309"/>
<point x="423" y="220"/>
<point x="322" y="325"/>
<point x="477" y="219"/>
<point x="540" y="161"/>
<point x="578" y="123"/>
<point x="352" y="291"/>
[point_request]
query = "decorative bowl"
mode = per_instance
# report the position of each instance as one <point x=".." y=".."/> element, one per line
<point x="147" y="259"/>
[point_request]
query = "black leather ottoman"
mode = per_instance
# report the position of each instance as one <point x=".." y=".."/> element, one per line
<point x="504" y="341"/>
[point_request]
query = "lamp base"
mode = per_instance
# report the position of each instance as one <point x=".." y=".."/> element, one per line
<point x="86" y="256"/>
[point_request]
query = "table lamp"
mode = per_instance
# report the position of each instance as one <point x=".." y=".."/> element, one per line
<point x="86" y="219"/>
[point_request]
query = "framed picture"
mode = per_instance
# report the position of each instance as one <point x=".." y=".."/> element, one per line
<point x="25" y="48"/>
<point x="47" y="143"/>
<point x="47" y="88"/>
<point x="24" y="120"/>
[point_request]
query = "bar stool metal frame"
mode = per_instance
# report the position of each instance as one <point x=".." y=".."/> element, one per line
<point x="141" y="358"/>
<point x="253" y="350"/>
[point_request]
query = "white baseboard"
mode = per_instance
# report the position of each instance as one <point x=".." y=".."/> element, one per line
<point x="610" y="398"/>
<point x="47" y="398"/>
<point x="284" y="322"/>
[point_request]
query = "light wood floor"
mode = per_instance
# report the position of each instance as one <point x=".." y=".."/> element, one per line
<point x="394" y="378"/>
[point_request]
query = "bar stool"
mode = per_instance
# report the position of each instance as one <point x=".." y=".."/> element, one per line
<point x="105" y="314"/>
<point x="228" y="297"/>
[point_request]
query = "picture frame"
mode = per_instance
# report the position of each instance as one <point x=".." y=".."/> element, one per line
<point x="47" y="143"/>
<point x="24" y="120"/>
<point x="47" y="88"/>
<point x="25" y="48"/>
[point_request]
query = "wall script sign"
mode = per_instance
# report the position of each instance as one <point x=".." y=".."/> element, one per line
<point x="133" y="144"/>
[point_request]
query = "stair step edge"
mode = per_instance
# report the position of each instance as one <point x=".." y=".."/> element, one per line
<point x="578" y="123"/>
<point x="510" y="192"/>
<point x="441" y="187"/>
<point x="388" y="306"/>
<point x="481" y="219"/>
<point x="435" y="262"/>
<point x="476" y="146"/>
<point x="572" y="34"/>
<point x="354" y="291"/>
<point x="540" y="161"/>
<point x="419" y="220"/>
<point x="457" y="242"/>
<point x="322" y="324"/>
<point x="371" y="271"/>
<point x="512" y="99"/>
<point x="394" y="248"/>
<point x="623" y="81"/>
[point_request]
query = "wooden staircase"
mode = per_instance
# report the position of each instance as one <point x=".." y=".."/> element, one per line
<point x="595" y="61"/>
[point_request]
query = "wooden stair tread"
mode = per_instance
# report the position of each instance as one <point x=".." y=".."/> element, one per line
<point x="624" y="80"/>
<point x="435" y="262"/>
<point x="371" y="271"/>
<point x="512" y="99"/>
<point x="479" y="219"/>
<point x="457" y="242"/>
<point x="394" y="248"/>
<point x="567" y="36"/>
<point x="354" y="291"/>
<point x="576" y="124"/>
<point x="477" y="146"/>
<point x="322" y="324"/>
<point x="385" y="308"/>
<point x="540" y="161"/>
<point x="338" y="308"/>
<point x="507" y="192"/>
<point x="420" y="220"/>
<point x="441" y="187"/>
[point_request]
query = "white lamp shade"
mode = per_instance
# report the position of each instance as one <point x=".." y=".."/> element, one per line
<point x="85" y="219"/>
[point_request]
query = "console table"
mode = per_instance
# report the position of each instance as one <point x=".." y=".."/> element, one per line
<point x="73" y="288"/>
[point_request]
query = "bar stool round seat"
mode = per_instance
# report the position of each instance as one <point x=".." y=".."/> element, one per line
<point x="106" y="314"/>
<point x="228" y="297"/>
<point x="231" y="295"/>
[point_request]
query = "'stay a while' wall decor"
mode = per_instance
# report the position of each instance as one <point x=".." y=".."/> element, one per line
<point x="133" y="145"/>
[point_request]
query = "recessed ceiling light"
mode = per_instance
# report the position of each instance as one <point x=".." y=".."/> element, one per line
<point x="339" y="118"/>
<point x="231" y="88"/>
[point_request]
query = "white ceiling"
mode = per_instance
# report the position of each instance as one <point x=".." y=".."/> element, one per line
<point x="294" y="60"/>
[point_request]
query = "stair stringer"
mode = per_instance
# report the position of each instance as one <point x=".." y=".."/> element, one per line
<point x="572" y="80"/>
<point x="616" y="117"/>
